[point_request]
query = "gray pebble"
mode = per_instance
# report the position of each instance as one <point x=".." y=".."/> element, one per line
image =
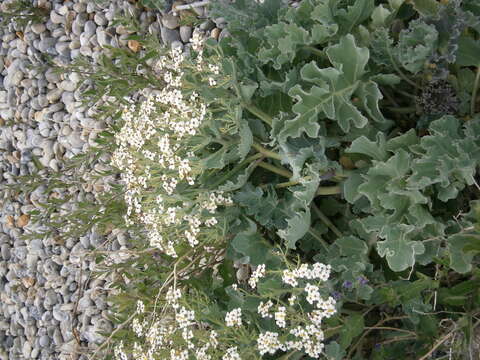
<point x="169" y="36"/>
<point x="38" y="28"/>
<point x="57" y="18"/>
<point x="44" y="341"/>
<point x="207" y="25"/>
<point x="170" y="21"/>
<point x="79" y="7"/>
<point x="46" y="43"/>
<point x="89" y="28"/>
<point x="185" y="33"/>
<point x="100" y="19"/>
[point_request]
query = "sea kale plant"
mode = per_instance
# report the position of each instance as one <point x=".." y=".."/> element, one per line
<point x="305" y="188"/>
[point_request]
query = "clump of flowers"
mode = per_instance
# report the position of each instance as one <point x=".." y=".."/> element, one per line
<point x="156" y="156"/>
<point x="294" y="332"/>
<point x="185" y="329"/>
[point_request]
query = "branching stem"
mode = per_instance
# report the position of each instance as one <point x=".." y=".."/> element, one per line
<point x="275" y="169"/>
<point x="474" y="93"/>
<point x="326" y="221"/>
<point x="266" y="152"/>
<point x="258" y="113"/>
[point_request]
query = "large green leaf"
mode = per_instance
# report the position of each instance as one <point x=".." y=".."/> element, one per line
<point x="460" y="260"/>
<point x="416" y="44"/>
<point x="331" y="91"/>
<point x="468" y="51"/>
<point x="399" y="251"/>
<point x="351" y="16"/>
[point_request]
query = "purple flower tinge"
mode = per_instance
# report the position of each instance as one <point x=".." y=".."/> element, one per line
<point x="336" y="295"/>
<point x="347" y="284"/>
<point x="362" y="280"/>
<point x="378" y="346"/>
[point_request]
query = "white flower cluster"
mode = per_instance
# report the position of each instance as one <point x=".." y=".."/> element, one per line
<point x="264" y="308"/>
<point x="268" y="343"/>
<point x="256" y="275"/>
<point x="318" y="271"/>
<point x="231" y="354"/>
<point x="153" y="148"/>
<point x="172" y="337"/>
<point x="307" y="333"/>
<point x="234" y="317"/>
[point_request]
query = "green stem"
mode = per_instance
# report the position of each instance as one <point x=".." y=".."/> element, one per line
<point x="326" y="221"/>
<point x="322" y="190"/>
<point x="316" y="51"/>
<point x="403" y="110"/>
<point x="400" y="72"/>
<point x="258" y="113"/>
<point x="266" y="152"/>
<point x="276" y="170"/>
<point x="236" y="169"/>
<point x="328" y="190"/>
<point x="317" y="236"/>
<point x="474" y="93"/>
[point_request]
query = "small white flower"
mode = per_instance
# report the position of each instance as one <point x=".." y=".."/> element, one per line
<point x="234" y="317"/>
<point x="268" y="343"/>
<point x="264" y="308"/>
<point x="256" y="275"/>
<point x="280" y="316"/>
<point x="289" y="278"/>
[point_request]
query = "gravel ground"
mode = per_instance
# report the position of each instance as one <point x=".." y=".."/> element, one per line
<point x="50" y="307"/>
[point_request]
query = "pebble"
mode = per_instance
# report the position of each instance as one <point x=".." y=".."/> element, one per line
<point x="38" y="28"/>
<point x="185" y="33"/>
<point x="169" y="36"/>
<point x="170" y="21"/>
<point x="39" y="278"/>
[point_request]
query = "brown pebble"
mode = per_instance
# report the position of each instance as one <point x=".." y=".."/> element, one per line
<point x="28" y="282"/>
<point x="10" y="221"/>
<point x="134" y="45"/>
<point x="23" y="220"/>
<point x="215" y="33"/>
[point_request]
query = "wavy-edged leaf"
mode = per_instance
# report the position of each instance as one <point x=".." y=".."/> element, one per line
<point x="374" y="149"/>
<point x="460" y="260"/>
<point x="330" y="96"/>
<point x="397" y="248"/>
<point x="416" y="45"/>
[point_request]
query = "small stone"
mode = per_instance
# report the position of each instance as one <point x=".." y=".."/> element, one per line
<point x="134" y="45"/>
<point x="185" y="33"/>
<point x="5" y="251"/>
<point x="177" y="45"/>
<point x="90" y="28"/>
<point x="26" y="350"/>
<point x="102" y="37"/>
<point x="28" y="282"/>
<point x="54" y="95"/>
<point x="10" y="221"/>
<point x="169" y="36"/>
<point x="38" y="28"/>
<point x="100" y="19"/>
<point x="47" y="43"/>
<point x="79" y="7"/>
<point x="57" y="18"/>
<point x="215" y="33"/>
<point x="67" y="85"/>
<point x="23" y="220"/>
<point x="170" y="21"/>
<point x="44" y="341"/>
<point x="207" y="25"/>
